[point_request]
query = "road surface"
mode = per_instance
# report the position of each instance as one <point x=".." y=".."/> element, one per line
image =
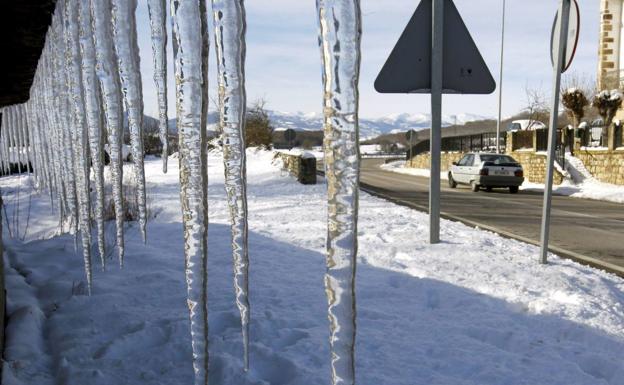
<point x="580" y="227"/>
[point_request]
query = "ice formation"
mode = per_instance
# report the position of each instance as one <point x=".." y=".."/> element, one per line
<point x="340" y="35"/>
<point x="229" y="24"/>
<point x="158" y="25"/>
<point x="126" y="46"/>
<point x="108" y="74"/>
<point x="189" y="68"/>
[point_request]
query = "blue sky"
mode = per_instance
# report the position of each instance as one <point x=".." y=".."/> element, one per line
<point x="283" y="60"/>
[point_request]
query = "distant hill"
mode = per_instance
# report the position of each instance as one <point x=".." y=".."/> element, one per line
<point x="369" y="128"/>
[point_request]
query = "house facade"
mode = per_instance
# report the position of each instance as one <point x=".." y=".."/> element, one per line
<point x="611" y="56"/>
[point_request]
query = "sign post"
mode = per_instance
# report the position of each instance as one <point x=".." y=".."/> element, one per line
<point x="409" y="135"/>
<point x="290" y="136"/>
<point x="563" y="45"/>
<point x="437" y="62"/>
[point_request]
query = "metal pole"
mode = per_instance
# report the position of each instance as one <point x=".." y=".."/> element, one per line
<point x="559" y="46"/>
<point x="437" y="45"/>
<point x="411" y="135"/>
<point x="500" y="84"/>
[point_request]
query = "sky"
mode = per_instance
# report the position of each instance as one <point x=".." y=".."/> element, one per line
<point x="283" y="64"/>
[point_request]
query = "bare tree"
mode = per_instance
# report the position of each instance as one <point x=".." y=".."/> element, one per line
<point x="536" y="105"/>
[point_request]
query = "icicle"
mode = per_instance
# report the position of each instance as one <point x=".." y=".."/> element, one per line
<point x="187" y="37"/>
<point x="25" y="139"/>
<point x="158" y="24"/>
<point x="126" y="46"/>
<point x="64" y="139"/>
<point x="229" y="24"/>
<point x="92" y="107"/>
<point x="6" y="164"/>
<point x="107" y="71"/>
<point x="79" y="132"/>
<point x="340" y="33"/>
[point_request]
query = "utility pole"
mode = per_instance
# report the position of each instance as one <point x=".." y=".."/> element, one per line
<point x="500" y="83"/>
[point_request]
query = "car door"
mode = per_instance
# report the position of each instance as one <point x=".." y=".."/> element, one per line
<point x="472" y="168"/>
<point x="460" y="171"/>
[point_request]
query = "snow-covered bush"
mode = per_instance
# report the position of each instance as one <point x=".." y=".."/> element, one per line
<point x="607" y="103"/>
<point x="575" y="102"/>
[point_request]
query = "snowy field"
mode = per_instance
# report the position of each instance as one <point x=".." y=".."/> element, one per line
<point x="476" y="309"/>
<point x="582" y="186"/>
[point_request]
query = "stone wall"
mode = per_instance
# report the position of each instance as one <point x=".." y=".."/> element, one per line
<point x="424" y="160"/>
<point x="606" y="166"/>
<point x="301" y="165"/>
<point x="534" y="165"/>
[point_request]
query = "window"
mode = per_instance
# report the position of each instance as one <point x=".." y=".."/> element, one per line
<point x="464" y="161"/>
<point x="497" y="159"/>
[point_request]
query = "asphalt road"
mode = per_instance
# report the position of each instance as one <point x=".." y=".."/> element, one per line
<point x="582" y="227"/>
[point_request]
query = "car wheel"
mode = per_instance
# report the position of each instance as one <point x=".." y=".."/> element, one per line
<point x="488" y="189"/>
<point x="451" y="181"/>
<point x="474" y="186"/>
<point x="513" y="189"/>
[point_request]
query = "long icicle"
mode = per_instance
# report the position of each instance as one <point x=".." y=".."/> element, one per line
<point x="94" y="122"/>
<point x="188" y="66"/>
<point x="66" y="143"/>
<point x="230" y="27"/>
<point x="4" y="127"/>
<point x="79" y="131"/>
<point x="107" y="71"/>
<point x="340" y="36"/>
<point x="158" y="24"/>
<point x="126" y="46"/>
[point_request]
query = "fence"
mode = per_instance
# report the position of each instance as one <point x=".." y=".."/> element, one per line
<point x="595" y="136"/>
<point x="466" y="143"/>
<point x="522" y="140"/>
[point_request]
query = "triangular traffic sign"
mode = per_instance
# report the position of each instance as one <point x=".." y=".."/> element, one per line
<point x="408" y="69"/>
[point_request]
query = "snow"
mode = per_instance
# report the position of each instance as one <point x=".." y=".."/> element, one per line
<point x="401" y="168"/>
<point x="476" y="309"/>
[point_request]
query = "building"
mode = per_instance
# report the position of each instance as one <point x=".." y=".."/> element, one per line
<point x="611" y="56"/>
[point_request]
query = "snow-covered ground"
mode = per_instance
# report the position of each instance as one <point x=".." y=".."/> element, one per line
<point x="586" y="187"/>
<point x="476" y="309"/>
<point x="399" y="167"/>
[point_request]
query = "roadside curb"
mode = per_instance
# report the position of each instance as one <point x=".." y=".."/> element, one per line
<point x="582" y="259"/>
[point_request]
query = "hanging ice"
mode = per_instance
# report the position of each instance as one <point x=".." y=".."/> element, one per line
<point x="64" y="142"/>
<point x="4" y="135"/>
<point x="94" y="122"/>
<point x="189" y="68"/>
<point x="340" y="34"/>
<point x="107" y="72"/>
<point x="79" y="130"/>
<point x="158" y="24"/>
<point x="126" y="46"/>
<point x="229" y="24"/>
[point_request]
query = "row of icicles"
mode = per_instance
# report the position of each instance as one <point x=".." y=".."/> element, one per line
<point x="87" y="88"/>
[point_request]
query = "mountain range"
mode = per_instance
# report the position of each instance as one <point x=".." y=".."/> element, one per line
<point x="369" y="127"/>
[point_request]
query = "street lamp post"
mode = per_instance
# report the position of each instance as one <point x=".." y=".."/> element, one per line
<point x="500" y="83"/>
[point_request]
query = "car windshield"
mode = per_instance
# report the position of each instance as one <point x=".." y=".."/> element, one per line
<point x="497" y="159"/>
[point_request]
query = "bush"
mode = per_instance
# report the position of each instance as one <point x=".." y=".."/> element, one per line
<point x="258" y="128"/>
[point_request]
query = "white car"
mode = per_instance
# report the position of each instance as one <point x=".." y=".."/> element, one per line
<point x="481" y="170"/>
